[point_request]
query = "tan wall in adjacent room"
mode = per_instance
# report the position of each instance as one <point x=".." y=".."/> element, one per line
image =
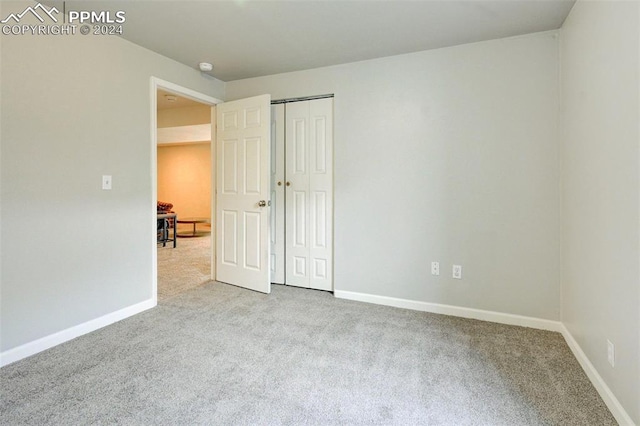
<point x="184" y="171"/>
<point x="185" y="116"/>
<point x="184" y="178"/>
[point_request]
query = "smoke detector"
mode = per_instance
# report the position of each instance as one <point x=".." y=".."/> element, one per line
<point x="205" y="66"/>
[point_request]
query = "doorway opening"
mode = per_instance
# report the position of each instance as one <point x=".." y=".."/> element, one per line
<point x="183" y="181"/>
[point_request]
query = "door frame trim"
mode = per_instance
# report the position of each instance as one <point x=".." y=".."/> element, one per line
<point x="155" y="84"/>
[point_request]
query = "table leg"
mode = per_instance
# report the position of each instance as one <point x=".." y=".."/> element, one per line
<point x="165" y="232"/>
<point x="175" y="231"/>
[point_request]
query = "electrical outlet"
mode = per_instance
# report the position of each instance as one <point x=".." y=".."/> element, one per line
<point x="457" y="272"/>
<point x="435" y="268"/>
<point x="106" y="182"/>
<point x="611" y="353"/>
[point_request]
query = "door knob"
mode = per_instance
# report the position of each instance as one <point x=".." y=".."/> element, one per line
<point x="288" y="183"/>
<point x="279" y="183"/>
<point x="262" y="203"/>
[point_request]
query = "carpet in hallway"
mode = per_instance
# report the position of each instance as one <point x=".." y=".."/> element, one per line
<point x="184" y="267"/>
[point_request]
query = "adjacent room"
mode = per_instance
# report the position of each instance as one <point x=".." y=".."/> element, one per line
<point x="404" y="212"/>
<point x="184" y="188"/>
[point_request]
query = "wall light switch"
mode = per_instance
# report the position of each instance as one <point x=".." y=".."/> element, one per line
<point x="435" y="268"/>
<point x="457" y="272"/>
<point x="611" y="353"/>
<point x="106" y="181"/>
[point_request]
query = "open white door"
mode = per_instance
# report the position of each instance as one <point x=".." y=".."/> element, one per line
<point x="242" y="208"/>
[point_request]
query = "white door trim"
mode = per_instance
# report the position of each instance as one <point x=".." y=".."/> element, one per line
<point x="155" y="84"/>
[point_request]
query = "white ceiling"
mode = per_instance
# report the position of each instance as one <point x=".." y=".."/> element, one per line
<point x="249" y="38"/>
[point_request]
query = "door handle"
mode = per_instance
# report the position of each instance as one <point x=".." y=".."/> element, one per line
<point x="262" y="203"/>
<point x="288" y="183"/>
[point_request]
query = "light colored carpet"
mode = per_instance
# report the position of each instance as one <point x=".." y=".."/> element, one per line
<point x="217" y="354"/>
<point x="184" y="267"/>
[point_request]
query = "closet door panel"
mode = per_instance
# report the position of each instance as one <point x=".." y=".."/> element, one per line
<point x="297" y="194"/>
<point x="277" y="217"/>
<point x="309" y="194"/>
<point x="321" y="193"/>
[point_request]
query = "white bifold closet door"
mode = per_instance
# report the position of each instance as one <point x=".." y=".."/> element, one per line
<point x="308" y="194"/>
<point x="277" y="194"/>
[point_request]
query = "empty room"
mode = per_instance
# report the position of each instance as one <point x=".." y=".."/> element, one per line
<point x="415" y="212"/>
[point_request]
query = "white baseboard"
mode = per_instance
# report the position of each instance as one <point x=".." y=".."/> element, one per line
<point x="607" y="396"/>
<point x="455" y="311"/>
<point x="32" y="348"/>
<point x="598" y="382"/>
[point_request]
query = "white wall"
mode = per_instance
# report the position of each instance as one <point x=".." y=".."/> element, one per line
<point x="448" y="155"/>
<point x="73" y="109"/>
<point x="601" y="187"/>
